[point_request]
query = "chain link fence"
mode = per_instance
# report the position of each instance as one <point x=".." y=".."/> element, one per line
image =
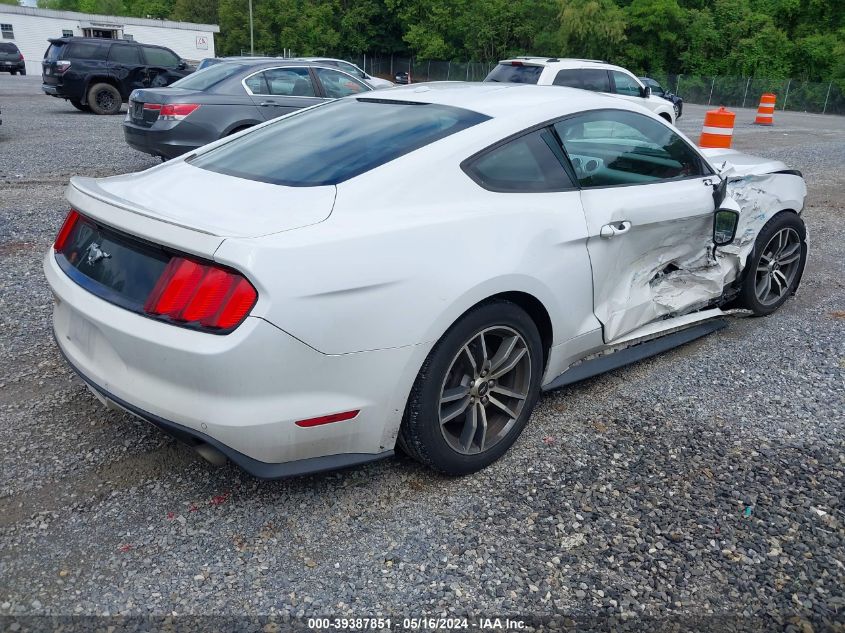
<point x="744" y="92"/>
<point x="739" y="92"/>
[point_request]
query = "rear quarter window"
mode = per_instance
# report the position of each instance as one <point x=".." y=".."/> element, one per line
<point x="54" y="52"/>
<point x="515" y="74"/>
<point x="594" y="79"/>
<point x="86" y="50"/>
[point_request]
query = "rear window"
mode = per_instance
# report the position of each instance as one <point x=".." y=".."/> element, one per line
<point x="8" y="48"/>
<point x="54" y="52"/>
<point x="207" y="77"/>
<point x="519" y="74"/>
<point x="335" y="142"/>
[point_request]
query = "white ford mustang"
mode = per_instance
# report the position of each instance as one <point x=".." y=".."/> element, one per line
<point x="412" y="268"/>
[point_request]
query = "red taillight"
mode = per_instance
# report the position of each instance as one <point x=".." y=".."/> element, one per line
<point x="178" y="110"/>
<point x="172" y="111"/>
<point x="64" y="232"/>
<point x="191" y="292"/>
<point x="328" y="419"/>
<point x="62" y="66"/>
<point x="21" y="56"/>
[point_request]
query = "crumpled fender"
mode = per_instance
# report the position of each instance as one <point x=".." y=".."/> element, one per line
<point x="762" y="188"/>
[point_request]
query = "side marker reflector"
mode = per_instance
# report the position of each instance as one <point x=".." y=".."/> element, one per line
<point x="328" y="419"/>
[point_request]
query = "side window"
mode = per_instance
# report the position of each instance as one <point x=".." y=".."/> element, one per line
<point x="257" y="84"/>
<point x="352" y="69"/>
<point x="337" y="84"/>
<point x="289" y="82"/>
<point x="160" y="57"/>
<point x="87" y="50"/>
<point x="530" y="163"/>
<point x="595" y="79"/>
<point x="124" y="55"/>
<point x="614" y="147"/>
<point x="625" y="84"/>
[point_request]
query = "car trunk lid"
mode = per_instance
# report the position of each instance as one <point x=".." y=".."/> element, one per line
<point x="206" y="203"/>
<point x="140" y="112"/>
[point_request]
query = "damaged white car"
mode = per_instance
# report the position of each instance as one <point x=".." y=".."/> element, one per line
<point x="412" y="269"/>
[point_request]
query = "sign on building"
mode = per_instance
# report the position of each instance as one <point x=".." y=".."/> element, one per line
<point x="202" y="42"/>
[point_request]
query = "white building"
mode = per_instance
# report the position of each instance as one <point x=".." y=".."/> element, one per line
<point x="30" y="29"/>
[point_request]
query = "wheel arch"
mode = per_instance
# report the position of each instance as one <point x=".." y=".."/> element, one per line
<point x="101" y="79"/>
<point x="238" y="126"/>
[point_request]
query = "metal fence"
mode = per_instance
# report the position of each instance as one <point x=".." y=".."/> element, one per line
<point x="743" y="92"/>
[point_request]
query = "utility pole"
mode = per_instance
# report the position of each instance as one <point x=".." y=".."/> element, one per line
<point x="251" y="36"/>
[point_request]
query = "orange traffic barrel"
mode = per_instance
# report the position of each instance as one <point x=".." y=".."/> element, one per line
<point x="766" y="110"/>
<point x="718" y="128"/>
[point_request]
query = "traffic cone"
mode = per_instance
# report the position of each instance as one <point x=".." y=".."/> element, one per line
<point x="718" y="128"/>
<point x="766" y="110"/>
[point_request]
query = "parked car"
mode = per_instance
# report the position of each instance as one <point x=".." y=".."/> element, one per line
<point x="11" y="59"/>
<point x="657" y="90"/>
<point x="585" y="74"/>
<point x="97" y="75"/>
<point x="402" y="78"/>
<point x="412" y="266"/>
<point x="352" y="69"/>
<point x="225" y="99"/>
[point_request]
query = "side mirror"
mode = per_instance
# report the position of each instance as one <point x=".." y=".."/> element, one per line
<point x="182" y="65"/>
<point x="646" y="92"/>
<point x="725" y="222"/>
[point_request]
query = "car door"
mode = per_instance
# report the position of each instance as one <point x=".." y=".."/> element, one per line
<point x="336" y="84"/>
<point x="126" y="66"/>
<point x="162" y="67"/>
<point x="278" y="91"/>
<point x="647" y="197"/>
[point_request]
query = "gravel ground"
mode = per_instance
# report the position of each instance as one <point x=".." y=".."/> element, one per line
<point x="706" y="482"/>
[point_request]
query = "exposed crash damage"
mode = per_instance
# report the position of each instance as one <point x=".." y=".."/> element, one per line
<point x="686" y="273"/>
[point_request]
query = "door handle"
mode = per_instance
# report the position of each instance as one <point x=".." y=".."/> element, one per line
<point x="267" y="103"/>
<point x="615" y="228"/>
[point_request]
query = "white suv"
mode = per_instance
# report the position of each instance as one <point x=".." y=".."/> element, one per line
<point x="586" y="74"/>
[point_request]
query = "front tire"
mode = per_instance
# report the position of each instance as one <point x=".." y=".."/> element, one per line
<point x="476" y="390"/>
<point x="776" y="264"/>
<point x="104" y="99"/>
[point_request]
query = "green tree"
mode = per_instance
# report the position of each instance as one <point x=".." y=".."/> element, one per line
<point x="591" y="28"/>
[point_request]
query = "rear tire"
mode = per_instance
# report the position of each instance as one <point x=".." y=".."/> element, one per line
<point x="23" y="72"/>
<point x="775" y="266"/>
<point x="476" y="390"/>
<point x="13" y="72"/>
<point x="82" y="107"/>
<point x="104" y="99"/>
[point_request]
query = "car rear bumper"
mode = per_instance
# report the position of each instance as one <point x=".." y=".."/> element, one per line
<point x="241" y="393"/>
<point x="168" y="142"/>
<point x="8" y="66"/>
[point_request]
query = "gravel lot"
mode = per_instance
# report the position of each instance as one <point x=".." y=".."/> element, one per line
<point x="708" y="481"/>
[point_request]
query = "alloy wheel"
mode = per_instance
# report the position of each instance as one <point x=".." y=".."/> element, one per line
<point x="105" y="100"/>
<point x="778" y="266"/>
<point x="485" y="390"/>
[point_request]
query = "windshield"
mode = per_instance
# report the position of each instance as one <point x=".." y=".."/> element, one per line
<point x="332" y="143"/>
<point x="518" y="74"/>
<point x="207" y="77"/>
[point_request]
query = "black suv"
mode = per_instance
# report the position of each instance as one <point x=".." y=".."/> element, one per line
<point x="97" y="75"/>
<point x="11" y="59"/>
